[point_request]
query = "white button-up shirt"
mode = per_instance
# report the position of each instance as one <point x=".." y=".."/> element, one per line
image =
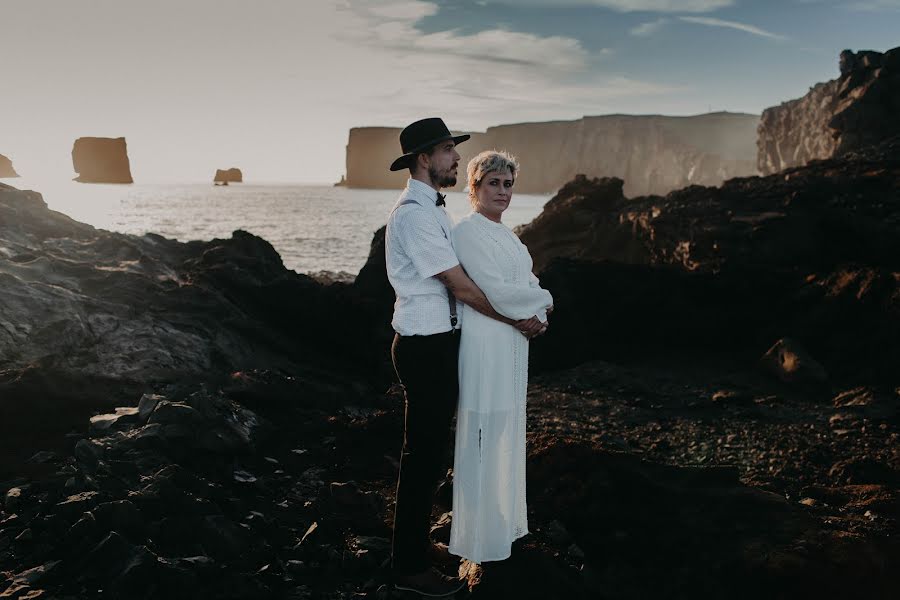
<point x="417" y="247"/>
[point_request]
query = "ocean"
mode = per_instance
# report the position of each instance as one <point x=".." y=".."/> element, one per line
<point x="313" y="227"/>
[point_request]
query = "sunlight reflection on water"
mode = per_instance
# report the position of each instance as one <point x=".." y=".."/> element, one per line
<point x="313" y="227"/>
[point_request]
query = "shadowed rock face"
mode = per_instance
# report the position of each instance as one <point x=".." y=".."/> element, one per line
<point x="232" y="175"/>
<point x="6" y="167"/>
<point x="858" y="109"/>
<point x="101" y="160"/>
<point x="653" y="154"/>
<point x="107" y="313"/>
<point x="812" y="254"/>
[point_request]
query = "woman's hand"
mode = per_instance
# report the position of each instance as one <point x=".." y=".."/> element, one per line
<point x="531" y="327"/>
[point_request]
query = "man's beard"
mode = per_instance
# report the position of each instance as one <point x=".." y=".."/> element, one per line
<point x="446" y="179"/>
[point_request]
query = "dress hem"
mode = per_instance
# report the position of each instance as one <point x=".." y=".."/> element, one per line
<point x="483" y="560"/>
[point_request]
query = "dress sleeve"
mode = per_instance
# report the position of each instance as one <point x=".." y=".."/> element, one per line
<point x="424" y="242"/>
<point x="476" y="255"/>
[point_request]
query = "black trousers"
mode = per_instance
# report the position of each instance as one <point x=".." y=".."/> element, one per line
<point x="427" y="368"/>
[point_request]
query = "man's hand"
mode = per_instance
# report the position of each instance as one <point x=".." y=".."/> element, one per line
<point x="530" y="327"/>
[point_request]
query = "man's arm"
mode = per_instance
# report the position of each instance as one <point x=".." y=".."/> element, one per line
<point x="464" y="289"/>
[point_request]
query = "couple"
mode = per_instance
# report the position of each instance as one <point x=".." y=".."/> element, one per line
<point x="468" y="359"/>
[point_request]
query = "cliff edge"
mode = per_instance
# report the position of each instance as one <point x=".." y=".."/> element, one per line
<point x="858" y="109"/>
<point x="653" y="154"/>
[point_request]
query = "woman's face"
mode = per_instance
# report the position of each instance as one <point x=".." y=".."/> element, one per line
<point x="494" y="193"/>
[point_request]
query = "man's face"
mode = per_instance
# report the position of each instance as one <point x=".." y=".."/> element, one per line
<point x="443" y="163"/>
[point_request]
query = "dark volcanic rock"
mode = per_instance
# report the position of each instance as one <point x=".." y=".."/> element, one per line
<point x="101" y="160"/>
<point x="812" y="253"/>
<point x="6" y="167"/>
<point x="90" y="318"/>
<point x="858" y="109"/>
<point x="232" y="175"/>
<point x="748" y="541"/>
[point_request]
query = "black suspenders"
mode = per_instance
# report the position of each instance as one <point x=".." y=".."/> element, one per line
<point x="450" y="297"/>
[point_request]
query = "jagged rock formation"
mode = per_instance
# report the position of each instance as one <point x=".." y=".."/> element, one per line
<point x="101" y="160"/>
<point x="653" y="154"/>
<point x="6" y="167"/>
<point x="812" y="253"/>
<point x="91" y="316"/>
<point x="858" y="109"/>
<point x="232" y="175"/>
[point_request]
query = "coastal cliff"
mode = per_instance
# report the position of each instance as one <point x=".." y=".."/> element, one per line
<point x="653" y="154"/>
<point x="859" y="108"/>
<point x="6" y="167"/>
<point x="101" y="160"/>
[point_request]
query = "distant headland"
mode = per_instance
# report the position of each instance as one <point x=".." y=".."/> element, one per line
<point x="654" y="154"/>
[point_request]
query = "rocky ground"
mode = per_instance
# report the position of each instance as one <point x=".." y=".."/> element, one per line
<point x="643" y="482"/>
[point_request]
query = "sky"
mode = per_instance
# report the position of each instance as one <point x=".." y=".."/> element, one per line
<point x="273" y="86"/>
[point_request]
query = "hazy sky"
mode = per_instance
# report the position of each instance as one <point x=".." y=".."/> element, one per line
<point x="273" y="86"/>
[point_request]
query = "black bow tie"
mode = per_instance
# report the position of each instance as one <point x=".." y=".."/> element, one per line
<point x="440" y="200"/>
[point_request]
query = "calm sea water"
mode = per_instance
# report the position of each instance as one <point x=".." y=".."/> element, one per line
<point x="313" y="227"/>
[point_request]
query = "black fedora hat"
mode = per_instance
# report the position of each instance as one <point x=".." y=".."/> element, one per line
<point x="420" y="136"/>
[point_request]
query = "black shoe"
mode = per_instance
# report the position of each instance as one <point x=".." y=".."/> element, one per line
<point x="431" y="583"/>
<point x="439" y="554"/>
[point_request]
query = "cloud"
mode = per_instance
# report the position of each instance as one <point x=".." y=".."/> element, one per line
<point x="474" y="79"/>
<point x="498" y="45"/>
<point x="664" y="6"/>
<point x="412" y="10"/>
<point x="875" y="6"/>
<point x="711" y="22"/>
<point x="649" y="28"/>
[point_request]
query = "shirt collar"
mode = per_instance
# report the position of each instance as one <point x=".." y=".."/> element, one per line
<point x="421" y="192"/>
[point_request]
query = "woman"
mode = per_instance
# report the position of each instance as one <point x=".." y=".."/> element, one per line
<point x="489" y="470"/>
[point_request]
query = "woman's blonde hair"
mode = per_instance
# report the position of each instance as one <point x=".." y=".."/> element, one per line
<point x="489" y="161"/>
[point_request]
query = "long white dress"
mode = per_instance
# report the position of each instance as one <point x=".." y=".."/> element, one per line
<point x="489" y="510"/>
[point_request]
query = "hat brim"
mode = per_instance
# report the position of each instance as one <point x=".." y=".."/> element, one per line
<point x="403" y="161"/>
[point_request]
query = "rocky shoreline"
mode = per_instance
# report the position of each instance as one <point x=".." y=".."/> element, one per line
<point x="714" y="412"/>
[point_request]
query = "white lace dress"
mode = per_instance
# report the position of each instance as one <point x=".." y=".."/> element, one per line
<point x="489" y="510"/>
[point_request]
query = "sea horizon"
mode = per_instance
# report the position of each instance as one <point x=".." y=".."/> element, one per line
<point x="313" y="227"/>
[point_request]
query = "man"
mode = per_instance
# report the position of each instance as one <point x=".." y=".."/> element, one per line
<point x="428" y="279"/>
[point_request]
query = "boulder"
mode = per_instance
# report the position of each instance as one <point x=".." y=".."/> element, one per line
<point x="101" y="160"/>
<point x="789" y="362"/>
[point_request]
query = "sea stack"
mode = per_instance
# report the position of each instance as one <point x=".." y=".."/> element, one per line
<point x="858" y="109"/>
<point x="653" y="154"/>
<point x="232" y="175"/>
<point x="101" y="160"/>
<point x="6" y="167"/>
